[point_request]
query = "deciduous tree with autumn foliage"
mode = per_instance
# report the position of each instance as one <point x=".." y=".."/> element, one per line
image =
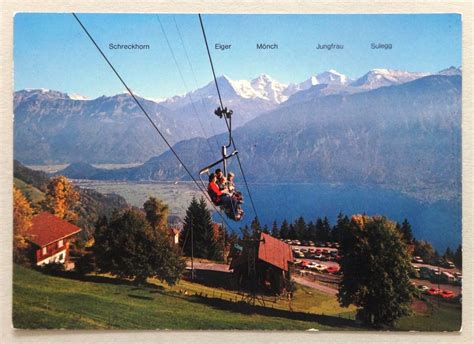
<point x="22" y="215"/>
<point x="61" y="198"/>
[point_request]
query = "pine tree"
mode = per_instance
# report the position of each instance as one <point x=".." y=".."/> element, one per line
<point x="301" y="229"/>
<point x="22" y="216"/>
<point x="448" y="254"/>
<point x="245" y="232"/>
<point x="275" y="230"/>
<point x="292" y="232"/>
<point x="190" y="222"/>
<point x="198" y="230"/>
<point x="311" y="231"/>
<point x="342" y="223"/>
<point x="326" y="231"/>
<point x="323" y="229"/>
<point x="375" y="266"/>
<point x="265" y="229"/>
<point x="285" y="229"/>
<point x="457" y="259"/>
<point x="61" y="199"/>
<point x="407" y="232"/>
<point x="255" y="227"/>
<point x="207" y="243"/>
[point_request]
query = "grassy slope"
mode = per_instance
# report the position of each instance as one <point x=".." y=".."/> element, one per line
<point x="41" y="301"/>
<point x="32" y="193"/>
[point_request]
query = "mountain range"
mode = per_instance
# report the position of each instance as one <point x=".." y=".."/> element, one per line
<point x="405" y="137"/>
<point x="54" y="127"/>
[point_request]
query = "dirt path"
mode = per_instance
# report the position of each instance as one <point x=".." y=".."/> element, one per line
<point x="315" y="285"/>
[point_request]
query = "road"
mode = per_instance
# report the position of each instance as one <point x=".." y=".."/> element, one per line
<point x="314" y="285"/>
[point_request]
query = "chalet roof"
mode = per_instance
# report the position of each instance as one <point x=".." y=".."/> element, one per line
<point x="270" y="250"/>
<point x="47" y="228"/>
<point x="274" y="251"/>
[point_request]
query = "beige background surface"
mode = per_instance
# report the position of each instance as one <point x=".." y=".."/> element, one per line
<point x="8" y="8"/>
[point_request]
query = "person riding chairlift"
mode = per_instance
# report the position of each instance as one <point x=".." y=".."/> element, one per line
<point x="220" y="179"/>
<point x="223" y="198"/>
<point x="231" y="187"/>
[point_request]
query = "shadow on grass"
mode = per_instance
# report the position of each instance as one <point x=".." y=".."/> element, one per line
<point x="140" y="297"/>
<point x="245" y="308"/>
<point x="213" y="279"/>
<point x="108" y="280"/>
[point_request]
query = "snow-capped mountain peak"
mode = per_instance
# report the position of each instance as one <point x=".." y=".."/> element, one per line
<point x="385" y="77"/>
<point x="75" y="96"/>
<point x="451" y="71"/>
<point x="332" y="77"/>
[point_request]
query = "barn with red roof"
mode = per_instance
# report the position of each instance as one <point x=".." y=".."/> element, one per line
<point x="50" y="237"/>
<point x="272" y="263"/>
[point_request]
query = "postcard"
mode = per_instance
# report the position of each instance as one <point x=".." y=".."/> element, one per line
<point x="237" y="171"/>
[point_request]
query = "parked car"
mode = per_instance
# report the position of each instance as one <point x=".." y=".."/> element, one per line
<point x="332" y="269"/>
<point x="311" y="243"/>
<point x="449" y="265"/>
<point x="333" y="253"/>
<point x="321" y="267"/>
<point x="417" y="259"/>
<point x="298" y="254"/>
<point x="446" y="294"/>
<point x="433" y="291"/>
<point x="317" y="256"/>
<point x="422" y="288"/>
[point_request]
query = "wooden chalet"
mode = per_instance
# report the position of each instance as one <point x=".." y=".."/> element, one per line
<point x="50" y="236"/>
<point x="264" y="262"/>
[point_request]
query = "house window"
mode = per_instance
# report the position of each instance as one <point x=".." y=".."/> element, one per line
<point x="60" y="243"/>
<point x="45" y="250"/>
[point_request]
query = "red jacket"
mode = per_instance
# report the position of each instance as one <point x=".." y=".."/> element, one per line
<point x="214" y="192"/>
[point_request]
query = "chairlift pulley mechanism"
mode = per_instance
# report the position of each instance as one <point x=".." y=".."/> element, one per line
<point x="227" y="113"/>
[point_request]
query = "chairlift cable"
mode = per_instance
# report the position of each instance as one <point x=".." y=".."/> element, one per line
<point x="185" y="85"/>
<point x="149" y="118"/>
<point x="203" y="102"/>
<point x="225" y="118"/>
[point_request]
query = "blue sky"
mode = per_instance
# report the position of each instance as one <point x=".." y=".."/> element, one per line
<point x="51" y="50"/>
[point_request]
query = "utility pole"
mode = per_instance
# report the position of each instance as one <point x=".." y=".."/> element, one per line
<point x="192" y="254"/>
<point x="223" y="241"/>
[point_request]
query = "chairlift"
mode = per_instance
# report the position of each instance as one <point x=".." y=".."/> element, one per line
<point x="233" y="210"/>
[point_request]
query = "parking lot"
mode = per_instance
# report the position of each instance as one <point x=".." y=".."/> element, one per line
<point x="315" y="270"/>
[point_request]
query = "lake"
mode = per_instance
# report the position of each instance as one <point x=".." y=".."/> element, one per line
<point x="438" y="222"/>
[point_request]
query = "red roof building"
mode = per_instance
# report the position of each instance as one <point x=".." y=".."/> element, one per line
<point x="275" y="252"/>
<point x="51" y="236"/>
<point x="272" y="258"/>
